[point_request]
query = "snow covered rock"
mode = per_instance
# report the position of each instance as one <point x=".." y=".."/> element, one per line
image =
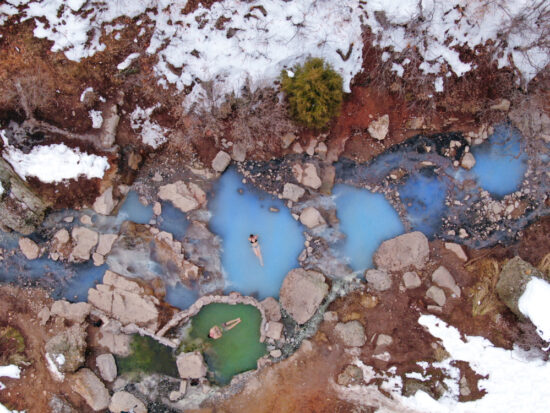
<point x="221" y="161"/>
<point x="512" y="282"/>
<point x="379" y="128"/>
<point x="66" y="350"/>
<point x="401" y="252"/>
<point x="351" y="333"/>
<point x="191" y="365"/>
<point x="92" y="390"/>
<point x="302" y="292"/>
<point x="29" y="248"/>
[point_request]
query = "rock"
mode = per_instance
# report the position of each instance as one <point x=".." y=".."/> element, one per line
<point x="92" y="390"/>
<point x="29" y="248"/>
<point x="179" y="394"/>
<point x="66" y="349"/>
<point x="191" y="365"/>
<point x="185" y="197"/>
<point x="123" y="402"/>
<point x="104" y="203"/>
<point x="378" y="280"/>
<point x="442" y="277"/>
<point x="297" y="148"/>
<point x="238" y="152"/>
<point x="503" y="105"/>
<point x="321" y="149"/>
<point x="287" y="140"/>
<point x="221" y="161"/>
<point x="76" y="312"/>
<point x="512" y="281"/>
<point x="311" y="218"/>
<point x="60" y="405"/>
<point x="401" y="252"/>
<point x="109" y="126"/>
<point x="273" y="329"/>
<point x="415" y="123"/>
<point x="457" y="249"/>
<point x="86" y="219"/>
<point x="43" y="316"/>
<point x="157" y="208"/>
<point x="411" y="280"/>
<point x="105" y="243"/>
<point x="351" y="333"/>
<point x="85" y="239"/>
<point x="276" y="353"/>
<point x="98" y="259"/>
<point x="62" y="236"/>
<point x="330" y="316"/>
<point x="463" y="386"/>
<point x="437" y="295"/>
<point x="114" y="342"/>
<point x="383" y="340"/>
<point x="352" y="374"/>
<point x="293" y="192"/>
<point x="272" y="309"/>
<point x="302" y="292"/>
<point x="379" y="128"/>
<point x="107" y="367"/>
<point x="468" y="161"/>
<point x="310" y="177"/>
<point x="124" y="300"/>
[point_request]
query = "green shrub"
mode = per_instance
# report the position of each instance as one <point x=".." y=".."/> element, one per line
<point x="314" y="93"/>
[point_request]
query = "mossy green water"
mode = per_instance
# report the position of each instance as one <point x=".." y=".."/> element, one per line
<point x="148" y="356"/>
<point x="237" y="350"/>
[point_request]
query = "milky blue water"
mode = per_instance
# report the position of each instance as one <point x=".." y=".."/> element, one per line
<point x="234" y="217"/>
<point x="180" y="296"/>
<point x="500" y="161"/>
<point x="423" y="196"/>
<point x="366" y="219"/>
<point x="173" y="220"/>
<point x="133" y="210"/>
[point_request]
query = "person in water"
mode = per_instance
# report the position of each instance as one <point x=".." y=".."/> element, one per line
<point x="253" y="239"/>
<point x="216" y="332"/>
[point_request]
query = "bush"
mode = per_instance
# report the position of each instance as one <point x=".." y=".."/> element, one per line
<point x="314" y="92"/>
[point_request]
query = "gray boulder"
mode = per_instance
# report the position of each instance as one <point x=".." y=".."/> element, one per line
<point x="107" y="367"/>
<point x="437" y="295"/>
<point x="443" y="278"/>
<point x="411" y="280"/>
<point x="311" y="218"/>
<point x="185" y="197"/>
<point x="302" y="292"/>
<point x="351" y="333"/>
<point x="76" y="312"/>
<point x="105" y="203"/>
<point x="86" y="240"/>
<point x="512" y="282"/>
<point x="123" y="401"/>
<point x="293" y="192"/>
<point x="191" y="365"/>
<point x="273" y="329"/>
<point x="399" y="253"/>
<point x="272" y="309"/>
<point x="379" y="128"/>
<point x="378" y="280"/>
<point x="29" y="248"/>
<point x="92" y="390"/>
<point x="66" y="349"/>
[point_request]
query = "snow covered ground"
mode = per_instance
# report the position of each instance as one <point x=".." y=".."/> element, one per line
<point x="535" y="304"/>
<point x="237" y="43"/>
<point x="54" y="163"/>
<point x="13" y="372"/>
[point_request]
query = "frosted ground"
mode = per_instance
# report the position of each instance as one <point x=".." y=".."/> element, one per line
<point x="237" y="43"/>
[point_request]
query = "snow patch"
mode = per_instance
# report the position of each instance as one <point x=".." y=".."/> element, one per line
<point x="57" y="375"/>
<point x="11" y="371"/>
<point x="83" y="94"/>
<point x="1" y="188"/>
<point x="152" y="133"/>
<point x="97" y="118"/>
<point x="128" y="61"/>
<point x="54" y="163"/>
<point x="438" y="84"/>
<point x="535" y="304"/>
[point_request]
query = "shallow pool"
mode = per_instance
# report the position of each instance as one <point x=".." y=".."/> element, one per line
<point x="500" y="161"/>
<point x="238" y="211"/>
<point x="366" y="219"/>
<point x="237" y="350"/>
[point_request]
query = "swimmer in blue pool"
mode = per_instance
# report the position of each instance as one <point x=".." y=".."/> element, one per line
<point x="253" y="239"/>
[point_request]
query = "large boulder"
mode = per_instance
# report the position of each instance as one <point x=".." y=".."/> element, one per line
<point x="302" y="292"/>
<point x="293" y="192"/>
<point x="311" y="218"/>
<point x="185" y="197"/>
<point x="191" y="365"/>
<point x="105" y="203"/>
<point x="351" y="333"/>
<point x="378" y="280"/>
<point x="105" y="243"/>
<point x="123" y="402"/>
<point x="76" y="312"/>
<point x="125" y="300"/>
<point x="85" y="239"/>
<point x="512" y="282"/>
<point x="66" y="350"/>
<point x="404" y="251"/>
<point x="221" y="161"/>
<point x="92" y="390"/>
<point x="107" y="367"/>
<point x="29" y="248"/>
<point x="272" y="309"/>
<point x="379" y="128"/>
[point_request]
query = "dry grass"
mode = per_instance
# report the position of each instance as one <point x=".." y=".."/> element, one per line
<point x="483" y="294"/>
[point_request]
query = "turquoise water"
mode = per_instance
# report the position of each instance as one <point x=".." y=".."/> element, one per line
<point x="500" y="162"/>
<point x="423" y="196"/>
<point x="133" y="210"/>
<point x="234" y="217"/>
<point x="366" y="219"/>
